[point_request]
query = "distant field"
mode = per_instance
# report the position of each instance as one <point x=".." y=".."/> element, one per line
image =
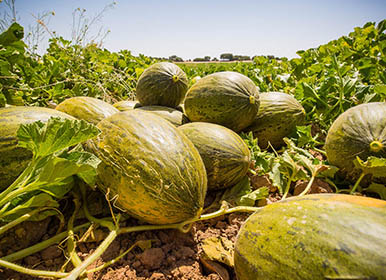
<point x="209" y="63"/>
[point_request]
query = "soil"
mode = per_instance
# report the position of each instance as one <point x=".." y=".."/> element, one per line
<point x="173" y="254"/>
<point x="165" y="254"/>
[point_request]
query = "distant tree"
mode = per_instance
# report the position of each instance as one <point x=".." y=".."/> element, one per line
<point x="175" y="58"/>
<point x="227" y="56"/>
<point x="241" y="57"/>
<point x="199" y="59"/>
<point x="207" y="58"/>
<point x="214" y="59"/>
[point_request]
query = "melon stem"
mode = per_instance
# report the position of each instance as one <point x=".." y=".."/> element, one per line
<point x="42" y="245"/>
<point x="287" y="187"/>
<point x="107" y="264"/>
<point x="71" y="244"/>
<point x="357" y="183"/>
<point x="32" y="272"/>
<point x="308" y="187"/>
<point x="224" y="210"/>
<point x="376" y="146"/>
<point x="74" y="274"/>
<point x="28" y="215"/>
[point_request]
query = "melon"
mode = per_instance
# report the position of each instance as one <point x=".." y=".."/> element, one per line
<point x="126" y="105"/>
<point x="226" y="98"/>
<point x="359" y="131"/>
<point x="163" y="84"/>
<point x="278" y="116"/>
<point x="14" y="159"/>
<point x="153" y="170"/>
<point x="318" y="236"/>
<point x="90" y="109"/>
<point x="225" y="154"/>
<point x="176" y="117"/>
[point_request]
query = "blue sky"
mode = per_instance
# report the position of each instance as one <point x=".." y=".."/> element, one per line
<point x="198" y="28"/>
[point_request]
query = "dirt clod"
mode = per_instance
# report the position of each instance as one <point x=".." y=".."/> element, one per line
<point x="152" y="258"/>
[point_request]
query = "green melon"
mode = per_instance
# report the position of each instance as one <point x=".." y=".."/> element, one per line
<point x="278" y="116"/>
<point x="360" y="131"/>
<point x="126" y="105"/>
<point x="318" y="236"/>
<point x="176" y="117"/>
<point x="152" y="169"/>
<point x="224" y="152"/>
<point x="90" y="109"/>
<point x="14" y="159"/>
<point x="227" y="98"/>
<point x="163" y="84"/>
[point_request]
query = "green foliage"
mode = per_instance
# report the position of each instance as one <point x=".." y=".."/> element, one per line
<point x="287" y="166"/>
<point x="242" y="194"/>
<point x="65" y="70"/>
<point x="327" y="80"/>
<point x="49" y="176"/>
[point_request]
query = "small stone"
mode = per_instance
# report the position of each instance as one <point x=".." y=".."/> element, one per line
<point x="157" y="276"/>
<point x="152" y="258"/>
<point x="137" y="264"/>
<point x="32" y="260"/>
<point x="51" y="252"/>
<point x="171" y="259"/>
<point x="186" y="252"/>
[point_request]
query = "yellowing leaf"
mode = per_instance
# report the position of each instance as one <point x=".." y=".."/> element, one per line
<point x="218" y="249"/>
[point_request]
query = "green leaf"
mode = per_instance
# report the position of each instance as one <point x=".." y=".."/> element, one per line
<point x="57" y="134"/>
<point x="329" y="172"/>
<point x="250" y="199"/>
<point x="231" y="195"/>
<point x="24" y="205"/>
<point x="242" y="194"/>
<point x="381" y="26"/>
<point x="303" y="135"/>
<point x="14" y="33"/>
<point x="380" y="89"/>
<point x="290" y="168"/>
<point x="89" y="163"/>
<point x="3" y="100"/>
<point x="278" y="179"/>
<point x="379" y="189"/>
<point x="373" y="165"/>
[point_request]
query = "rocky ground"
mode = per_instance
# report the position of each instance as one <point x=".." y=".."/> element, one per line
<point x="165" y="254"/>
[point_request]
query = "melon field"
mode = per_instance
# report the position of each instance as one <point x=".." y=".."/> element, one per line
<point x="115" y="166"/>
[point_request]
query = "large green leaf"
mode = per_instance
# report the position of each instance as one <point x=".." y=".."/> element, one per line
<point x="57" y="134"/>
<point x="373" y="165"/>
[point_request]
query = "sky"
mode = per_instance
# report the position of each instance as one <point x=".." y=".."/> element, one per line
<point x="191" y="29"/>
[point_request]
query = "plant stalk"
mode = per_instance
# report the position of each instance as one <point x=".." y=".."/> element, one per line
<point x="41" y="246"/>
<point x="357" y="182"/>
<point x="33" y="272"/>
<point x="74" y="274"/>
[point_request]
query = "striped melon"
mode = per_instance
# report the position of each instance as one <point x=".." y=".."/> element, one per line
<point x="176" y="117"/>
<point x="14" y="159"/>
<point x="225" y="154"/>
<point x="318" y="236"/>
<point x="226" y="98"/>
<point x="278" y="116"/>
<point x="126" y="105"/>
<point x="163" y="84"/>
<point x="360" y="131"/>
<point x="152" y="169"/>
<point x="90" y="109"/>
